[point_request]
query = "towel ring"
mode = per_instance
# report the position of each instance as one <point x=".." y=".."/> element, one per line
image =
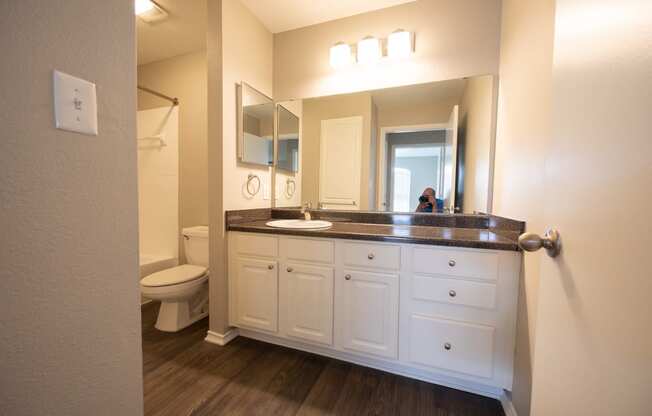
<point x="290" y="184"/>
<point x="255" y="181"/>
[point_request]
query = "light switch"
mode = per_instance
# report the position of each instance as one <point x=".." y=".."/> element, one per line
<point x="75" y="104"/>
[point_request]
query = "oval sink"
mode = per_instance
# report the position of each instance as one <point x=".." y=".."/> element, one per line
<point x="300" y="224"/>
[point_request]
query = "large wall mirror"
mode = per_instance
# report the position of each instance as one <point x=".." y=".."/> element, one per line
<point x="425" y="148"/>
<point x="255" y="126"/>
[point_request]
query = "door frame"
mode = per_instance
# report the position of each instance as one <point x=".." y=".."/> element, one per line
<point x="381" y="179"/>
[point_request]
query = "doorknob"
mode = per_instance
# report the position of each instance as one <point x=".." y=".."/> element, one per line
<point x="551" y="241"/>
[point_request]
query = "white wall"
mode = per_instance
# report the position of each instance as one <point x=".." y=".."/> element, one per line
<point x="158" y="182"/>
<point x="70" y="328"/>
<point x="523" y="131"/>
<point x="247" y="56"/>
<point x="454" y="39"/>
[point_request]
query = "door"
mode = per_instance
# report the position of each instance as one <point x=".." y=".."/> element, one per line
<point x="307" y="299"/>
<point x="450" y="160"/>
<point x="257" y="294"/>
<point x="340" y="163"/>
<point x="593" y="351"/>
<point x="369" y="313"/>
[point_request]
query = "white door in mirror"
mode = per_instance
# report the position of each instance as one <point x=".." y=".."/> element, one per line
<point x="300" y="224"/>
<point x="75" y="104"/>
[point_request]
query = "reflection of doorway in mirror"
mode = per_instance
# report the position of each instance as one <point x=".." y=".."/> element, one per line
<point x="415" y="168"/>
<point x="417" y="151"/>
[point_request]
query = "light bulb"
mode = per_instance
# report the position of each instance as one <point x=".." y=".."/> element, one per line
<point x="340" y="55"/>
<point x="369" y="50"/>
<point x="399" y="44"/>
<point x="143" y="6"/>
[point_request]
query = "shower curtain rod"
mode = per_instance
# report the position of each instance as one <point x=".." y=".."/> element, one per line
<point x="174" y="100"/>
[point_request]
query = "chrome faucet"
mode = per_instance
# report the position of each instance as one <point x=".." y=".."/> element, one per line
<point x="305" y="211"/>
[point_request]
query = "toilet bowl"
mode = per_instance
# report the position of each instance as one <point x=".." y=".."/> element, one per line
<point x="182" y="290"/>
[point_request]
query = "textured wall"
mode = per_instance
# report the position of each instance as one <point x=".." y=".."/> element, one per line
<point x="69" y="299"/>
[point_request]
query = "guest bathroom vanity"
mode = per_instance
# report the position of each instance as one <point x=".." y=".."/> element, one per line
<point x="431" y="297"/>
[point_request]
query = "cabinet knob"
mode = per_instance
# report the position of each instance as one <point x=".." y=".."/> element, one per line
<point x="452" y="293"/>
<point x="448" y="346"/>
<point x="451" y="263"/>
<point x="270" y="266"/>
<point x="290" y="269"/>
<point x="370" y="256"/>
<point x="347" y="277"/>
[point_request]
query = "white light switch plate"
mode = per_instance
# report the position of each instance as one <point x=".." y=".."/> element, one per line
<point x="75" y="104"/>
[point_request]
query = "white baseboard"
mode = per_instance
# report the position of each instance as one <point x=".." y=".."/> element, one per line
<point x="508" y="406"/>
<point x="221" y="339"/>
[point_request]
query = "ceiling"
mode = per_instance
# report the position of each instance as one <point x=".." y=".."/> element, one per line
<point x="183" y="31"/>
<point x="419" y="95"/>
<point x="281" y="15"/>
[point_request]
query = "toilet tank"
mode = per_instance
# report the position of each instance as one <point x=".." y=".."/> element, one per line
<point x="195" y="245"/>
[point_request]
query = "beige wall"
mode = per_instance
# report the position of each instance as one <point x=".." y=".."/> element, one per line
<point x="523" y="131"/>
<point x="405" y="115"/>
<point x="453" y="39"/>
<point x="477" y="118"/>
<point x="318" y="109"/>
<point x="70" y="330"/>
<point x="184" y="77"/>
<point x="247" y="56"/>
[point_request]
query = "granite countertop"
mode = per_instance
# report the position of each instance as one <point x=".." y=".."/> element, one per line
<point x="414" y="234"/>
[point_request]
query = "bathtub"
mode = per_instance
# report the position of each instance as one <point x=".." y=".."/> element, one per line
<point x="151" y="264"/>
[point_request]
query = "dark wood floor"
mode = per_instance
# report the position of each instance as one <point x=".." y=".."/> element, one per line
<point x="186" y="376"/>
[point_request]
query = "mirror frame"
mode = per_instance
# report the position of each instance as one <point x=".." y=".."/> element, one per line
<point x="240" y="125"/>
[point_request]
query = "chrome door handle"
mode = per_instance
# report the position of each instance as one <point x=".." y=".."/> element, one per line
<point x="551" y="241"/>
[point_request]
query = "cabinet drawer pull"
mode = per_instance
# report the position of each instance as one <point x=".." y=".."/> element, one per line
<point x="451" y="263"/>
<point x="270" y="266"/>
<point x="370" y="256"/>
<point x="290" y="269"/>
<point x="347" y="277"/>
<point x="452" y="293"/>
<point x="448" y="346"/>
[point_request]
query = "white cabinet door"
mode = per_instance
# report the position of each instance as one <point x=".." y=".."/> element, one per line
<point x="339" y="164"/>
<point x="256" y="293"/>
<point x="368" y="313"/>
<point x="306" y="296"/>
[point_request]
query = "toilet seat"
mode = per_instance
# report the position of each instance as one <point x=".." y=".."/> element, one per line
<point x="174" y="276"/>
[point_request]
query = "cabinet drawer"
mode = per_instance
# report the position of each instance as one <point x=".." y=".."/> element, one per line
<point x="454" y="291"/>
<point x="257" y="245"/>
<point x="456" y="346"/>
<point x="458" y="263"/>
<point x="320" y="251"/>
<point x="377" y="256"/>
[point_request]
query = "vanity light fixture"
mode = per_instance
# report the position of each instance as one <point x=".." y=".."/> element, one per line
<point x="399" y="44"/>
<point x="149" y="11"/>
<point x="340" y="55"/>
<point x="369" y="51"/>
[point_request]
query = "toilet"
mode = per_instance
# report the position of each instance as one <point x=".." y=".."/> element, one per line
<point x="182" y="290"/>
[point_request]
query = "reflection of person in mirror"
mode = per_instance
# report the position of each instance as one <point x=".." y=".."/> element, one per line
<point x="428" y="202"/>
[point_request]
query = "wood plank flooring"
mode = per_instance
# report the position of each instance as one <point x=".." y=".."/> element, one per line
<point x="183" y="375"/>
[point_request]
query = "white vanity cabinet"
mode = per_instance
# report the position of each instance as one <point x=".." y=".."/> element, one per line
<point x="441" y="314"/>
